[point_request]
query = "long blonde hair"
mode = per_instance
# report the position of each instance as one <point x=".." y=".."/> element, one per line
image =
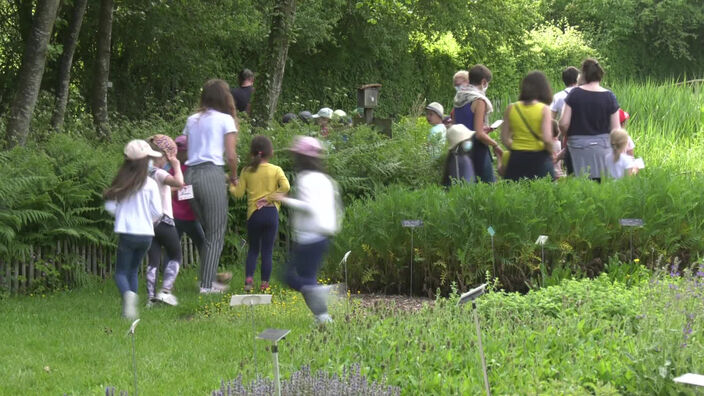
<point x="619" y="141"/>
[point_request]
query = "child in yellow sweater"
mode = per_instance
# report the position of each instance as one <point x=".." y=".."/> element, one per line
<point x="260" y="179"/>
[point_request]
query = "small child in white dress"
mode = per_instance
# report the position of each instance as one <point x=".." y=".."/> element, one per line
<point x="618" y="163"/>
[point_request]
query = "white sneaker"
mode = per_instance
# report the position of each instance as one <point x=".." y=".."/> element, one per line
<point x="209" y="290"/>
<point x="220" y="287"/>
<point x="167" y="298"/>
<point x="129" y="305"/>
<point x="323" y="319"/>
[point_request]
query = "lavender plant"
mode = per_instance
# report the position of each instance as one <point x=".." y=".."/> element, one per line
<point x="303" y="382"/>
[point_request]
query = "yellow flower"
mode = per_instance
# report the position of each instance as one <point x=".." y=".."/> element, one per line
<point x="636" y="261"/>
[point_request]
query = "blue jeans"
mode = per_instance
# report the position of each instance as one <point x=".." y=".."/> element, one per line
<point x="261" y="232"/>
<point x="304" y="263"/>
<point x="483" y="167"/>
<point x="130" y="252"/>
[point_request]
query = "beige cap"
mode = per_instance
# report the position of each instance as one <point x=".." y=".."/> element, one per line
<point x="437" y="108"/>
<point x="138" y="149"/>
<point x="457" y="134"/>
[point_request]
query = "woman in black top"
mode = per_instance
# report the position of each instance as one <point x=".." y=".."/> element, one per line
<point x="590" y="113"/>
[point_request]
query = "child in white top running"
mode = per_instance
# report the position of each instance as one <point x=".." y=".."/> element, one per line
<point x="316" y="218"/>
<point x="133" y="198"/>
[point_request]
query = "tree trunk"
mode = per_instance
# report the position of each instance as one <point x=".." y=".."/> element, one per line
<point x="99" y="91"/>
<point x="31" y="72"/>
<point x="279" y="38"/>
<point x="79" y="9"/>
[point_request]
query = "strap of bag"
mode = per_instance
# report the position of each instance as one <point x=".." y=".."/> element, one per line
<point x="535" y="135"/>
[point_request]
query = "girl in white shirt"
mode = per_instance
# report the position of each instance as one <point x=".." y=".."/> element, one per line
<point x="618" y="163"/>
<point x="316" y="218"/>
<point x="133" y="198"/>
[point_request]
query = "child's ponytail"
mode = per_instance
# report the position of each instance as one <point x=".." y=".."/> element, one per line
<point x="260" y="149"/>
<point x="619" y="141"/>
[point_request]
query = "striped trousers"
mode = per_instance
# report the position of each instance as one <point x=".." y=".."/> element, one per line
<point x="210" y="205"/>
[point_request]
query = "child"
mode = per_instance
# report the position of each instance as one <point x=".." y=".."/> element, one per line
<point x="623" y="118"/>
<point x="316" y="218"/>
<point x="434" y="113"/>
<point x="165" y="233"/>
<point x="184" y="217"/>
<point x="260" y="180"/>
<point x="557" y="149"/>
<point x="323" y="118"/>
<point x="618" y="163"/>
<point x="458" y="165"/>
<point x="133" y="198"/>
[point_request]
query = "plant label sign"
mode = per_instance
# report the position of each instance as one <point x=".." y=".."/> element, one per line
<point x="542" y="240"/>
<point x="412" y="223"/>
<point x="491" y="231"/>
<point x="631" y="222"/>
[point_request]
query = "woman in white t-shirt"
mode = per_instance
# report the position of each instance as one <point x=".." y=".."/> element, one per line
<point x="133" y="198"/>
<point x="212" y="132"/>
<point x="618" y="163"/>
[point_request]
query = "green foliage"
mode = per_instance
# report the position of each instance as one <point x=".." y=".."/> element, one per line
<point x="580" y="217"/>
<point x="578" y="337"/>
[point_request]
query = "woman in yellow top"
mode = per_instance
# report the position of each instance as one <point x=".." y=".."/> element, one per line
<point x="260" y="180"/>
<point x="527" y="130"/>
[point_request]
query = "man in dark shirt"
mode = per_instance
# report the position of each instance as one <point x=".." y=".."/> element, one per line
<point x="243" y="93"/>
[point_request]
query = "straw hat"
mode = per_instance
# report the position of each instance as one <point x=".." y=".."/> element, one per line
<point x="457" y="134"/>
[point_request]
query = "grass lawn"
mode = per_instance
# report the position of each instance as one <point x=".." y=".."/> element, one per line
<point x="589" y="336"/>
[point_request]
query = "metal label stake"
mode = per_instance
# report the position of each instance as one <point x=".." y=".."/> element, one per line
<point x="134" y="354"/>
<point x="631" y="223"/>
<point x="412" y="224"/>
<point x="542" y="240"/>
<point x="347" y="285"/>
<point x="471" y="296"/>
<point x="251" y="300"/>
<point x="275" y="335"/>
<point x="491" y="232"/>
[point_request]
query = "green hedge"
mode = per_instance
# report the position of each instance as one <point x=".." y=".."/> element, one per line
<point x="580" y="217"/>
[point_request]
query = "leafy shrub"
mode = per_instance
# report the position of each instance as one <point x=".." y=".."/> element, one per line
<point x="580" y="217"/>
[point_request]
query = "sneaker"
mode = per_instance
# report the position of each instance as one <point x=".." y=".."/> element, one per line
<point x="129" y="305"/>
<point x="151" y="301"/>
<point x="223" y="277"/>
<point x="248" y="284"/>
<point x="316" y="297"/>
<point x="219" y="287"/>
<point x="264" y="286"/>
<point x="167" y="298"/>
<point x="323" y="319"/>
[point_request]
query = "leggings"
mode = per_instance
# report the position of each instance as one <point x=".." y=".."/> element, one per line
<point x="210" y="204"/>
<point x="304" y="263"/>
<point x="261" y="231"/>
<point x="193" y="229"/>
<point x="165" y="235"/>
<point x="130" y="252"/>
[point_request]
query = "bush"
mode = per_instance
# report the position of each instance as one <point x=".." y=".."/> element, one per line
<point x="580" y="217"/>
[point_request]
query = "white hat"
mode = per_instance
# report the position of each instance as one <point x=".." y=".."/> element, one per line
<point x="437" y="108"/>
<point x="325" y="112"/>
<point x="457" y="134"/>
<point x="138" y="149"/>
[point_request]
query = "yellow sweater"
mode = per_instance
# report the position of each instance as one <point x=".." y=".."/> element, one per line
<point x="268" y="179"/>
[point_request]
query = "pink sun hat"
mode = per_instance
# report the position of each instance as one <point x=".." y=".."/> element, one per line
<point x="308" y="146"/>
